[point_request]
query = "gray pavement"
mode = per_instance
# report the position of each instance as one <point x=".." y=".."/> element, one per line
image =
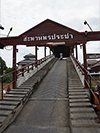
<point x="47" y="110"/>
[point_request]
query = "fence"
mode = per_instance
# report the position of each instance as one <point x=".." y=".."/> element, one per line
<point x="88" y="82"/>
<point x="21" y="72"/>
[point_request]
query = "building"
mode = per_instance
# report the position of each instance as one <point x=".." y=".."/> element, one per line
<point x="95" y="70"/>
<point x="91" y="62"/>
<point x="93" y="66"/>
<point x="29" y="58"/>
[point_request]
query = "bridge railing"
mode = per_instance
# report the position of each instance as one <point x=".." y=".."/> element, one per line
<point x="89" y="82"/>
<point x="31" y="66"/>
<point x="4" y="88"/>
<point x="20" y="73"/>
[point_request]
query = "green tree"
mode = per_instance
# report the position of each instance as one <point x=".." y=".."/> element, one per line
<point x="2" y="66"/>
<point x="8" y="70"/>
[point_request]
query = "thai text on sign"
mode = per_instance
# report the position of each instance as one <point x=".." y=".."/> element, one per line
<point x="48" y="37"/>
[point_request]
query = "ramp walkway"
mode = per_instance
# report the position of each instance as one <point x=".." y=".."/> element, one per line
<point x="15" y="100"/>
<point x="47" y="110"/>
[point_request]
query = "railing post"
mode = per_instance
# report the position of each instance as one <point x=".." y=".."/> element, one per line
<point x="23" y="72"/>
<point x="50" y="53"/>
<point x="2" y="87"/>
<point x="39" y="62"/>
<point x="32" y="66"/>
<point x="14" y="67"/>
<point x="45" y="52"/>
<point x="89" y="90"/>
<point x="76" y="53"/>
<point x="99" y="101"/>
<point x="28" y="69"/>
<point x="73" y="50"/>
<point x="36" y="56"/>
<point x="85" y="63"/>
<point x="98" y="121"/>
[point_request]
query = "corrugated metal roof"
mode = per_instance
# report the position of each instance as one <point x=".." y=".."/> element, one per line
<point x="24" y="62"/>
<point x="29" y="56"/>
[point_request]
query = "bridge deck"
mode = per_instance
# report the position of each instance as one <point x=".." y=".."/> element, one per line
<point x="58" y="105"/>
<point x="47" y="109"/>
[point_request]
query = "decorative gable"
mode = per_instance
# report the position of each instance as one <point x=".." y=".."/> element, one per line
<point x="48" y="31"/>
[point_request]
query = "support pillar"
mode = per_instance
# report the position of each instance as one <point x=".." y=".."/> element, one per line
<point x="70" y="50"/>
<point x="14" y="67"/>
<point x="36" y="56"/>
<point x="76" y="53"/>
<point x="45" y="52"/>
<point x="85" y="63"/>
<point x="73" y="50"/>
<point x="50" y="53"/>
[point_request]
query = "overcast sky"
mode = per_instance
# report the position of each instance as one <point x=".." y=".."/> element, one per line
<point x="25" y="14"/>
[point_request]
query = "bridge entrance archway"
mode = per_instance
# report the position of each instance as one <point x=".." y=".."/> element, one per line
<point x="57" y="37"/>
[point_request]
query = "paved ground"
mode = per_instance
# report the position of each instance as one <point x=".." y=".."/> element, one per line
<point x="47" y="110"/>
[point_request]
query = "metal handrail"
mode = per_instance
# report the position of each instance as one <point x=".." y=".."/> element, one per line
<point x="24" y="69"/>
<point x="2" y="88"/>
<point x="83" y="69"/>
<point x="89" y="85"/>
<point x="78" y="64"/>
<point x="34" y="64"/>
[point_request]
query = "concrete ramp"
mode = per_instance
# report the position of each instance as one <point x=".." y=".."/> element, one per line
<point x="15" y="100"/>
<point x="47" y="109"/>
<point x="56" y="103"/>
